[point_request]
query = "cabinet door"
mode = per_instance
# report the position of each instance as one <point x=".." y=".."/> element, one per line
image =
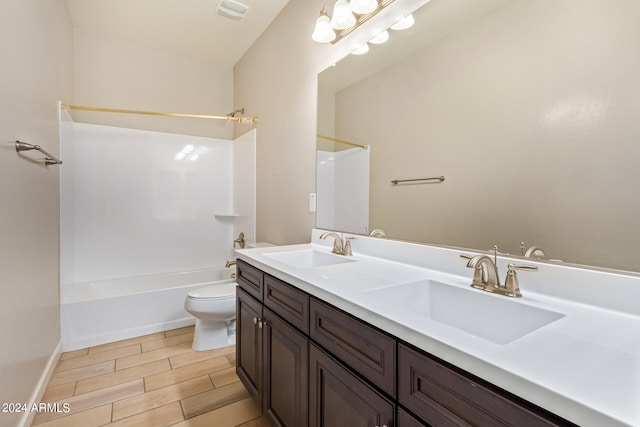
<point x="337" y="398"/>
<point x="286" y="373"/>
<point x="249" y="344"/>
<point x="364" y="349"/>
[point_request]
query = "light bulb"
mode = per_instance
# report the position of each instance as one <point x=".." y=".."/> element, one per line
<point x="323" y="32"/>
<point x="404" y="23"/>
<point x="342" y="16"/>
<point x="361" y="50"/>
<point x="380" y="38"/>
<point x="362" y="7"/>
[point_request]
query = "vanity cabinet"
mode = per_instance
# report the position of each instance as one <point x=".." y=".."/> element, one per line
<point x="364" y="349"/>
<point x="339" y="398"/>
<point x="308" y="363"/>
<point x="271" y="355"/>
<point x="443" y="395"/>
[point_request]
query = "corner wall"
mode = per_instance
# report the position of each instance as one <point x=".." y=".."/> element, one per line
<point x="36" y="54"/>
<point x="277" y="81"/>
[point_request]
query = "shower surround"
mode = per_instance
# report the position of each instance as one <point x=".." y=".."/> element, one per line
<point x="142" y="203"/>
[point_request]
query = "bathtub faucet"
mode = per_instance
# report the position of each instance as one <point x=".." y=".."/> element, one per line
<point x="239" y="241"/>
<point x="230" y="264"/>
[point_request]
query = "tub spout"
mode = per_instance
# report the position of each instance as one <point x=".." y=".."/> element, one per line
<point x="230" y="264"/>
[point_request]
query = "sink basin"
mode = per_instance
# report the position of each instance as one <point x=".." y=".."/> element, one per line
<point x="307" y="258"/>
<point x="492" y="317"/>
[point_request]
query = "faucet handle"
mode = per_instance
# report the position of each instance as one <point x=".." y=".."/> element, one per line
<point x="479" y="281"/>
<point x="347" y="246"/>
<point x="512" y="288"/>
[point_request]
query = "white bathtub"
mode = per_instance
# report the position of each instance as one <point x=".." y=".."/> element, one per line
<point x="104" y="311"/>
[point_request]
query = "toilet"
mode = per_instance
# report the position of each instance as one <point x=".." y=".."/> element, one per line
<point x="214" y="308"/>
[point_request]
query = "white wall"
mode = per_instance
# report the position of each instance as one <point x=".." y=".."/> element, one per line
<point x="343" y="190"/>
<point x="36" y="52"/>
<point x="326" y="190"/>
<point x="134" y="205"/>
<point x="244" y="186"/>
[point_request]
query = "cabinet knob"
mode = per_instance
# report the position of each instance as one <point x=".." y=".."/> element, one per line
<point x="255" y="320"/>
<point x="262" y="323"/>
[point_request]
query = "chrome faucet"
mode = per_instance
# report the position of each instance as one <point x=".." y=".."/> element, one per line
<point x="533" y="251"/>
<point x="340" y="247"/>
<point x="378" y="232"/>
<point x="486" y="277"/>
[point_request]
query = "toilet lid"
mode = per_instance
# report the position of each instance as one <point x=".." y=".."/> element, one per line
<point x="217" y="291"/>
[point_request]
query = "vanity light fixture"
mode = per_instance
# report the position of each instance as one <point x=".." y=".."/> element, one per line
<point x="323" y="31"/>
<point x="362" y="7"/>
<point x="380" y="38"/>
<point x="361" y="50"/>
<point x="404" y="23"/>
<point x="346" y="16"/>
<point x="343" y="17"/>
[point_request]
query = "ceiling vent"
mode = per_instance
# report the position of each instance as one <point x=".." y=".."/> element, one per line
<point x="232" y="9"/>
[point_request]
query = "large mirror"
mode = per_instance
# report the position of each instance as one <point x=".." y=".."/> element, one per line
<point x="530" y="109"/>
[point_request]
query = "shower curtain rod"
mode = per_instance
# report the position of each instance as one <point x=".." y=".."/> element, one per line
<point x="230" y="117"/>
<point x="366" y="147"/>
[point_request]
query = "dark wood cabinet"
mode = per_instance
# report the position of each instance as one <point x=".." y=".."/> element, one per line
<point x="308" y="363"/>
<point x="405" y="419"/>
<point x="250" y="279"/>
<point x="363" y="348"/>
<point x="249" y="343"/>
<point x="288" y="302"/>
<point x="286" y="372"/>
<point x="272" y="357"/>
<point x="443" y="395"/>
<point x="337" y="398"/>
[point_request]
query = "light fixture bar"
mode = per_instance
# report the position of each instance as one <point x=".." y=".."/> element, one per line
<point x="361" y="20"/>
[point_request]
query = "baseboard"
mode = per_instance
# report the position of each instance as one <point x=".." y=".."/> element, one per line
<point x="78" y="342"/>
<point x="41" y="386"/>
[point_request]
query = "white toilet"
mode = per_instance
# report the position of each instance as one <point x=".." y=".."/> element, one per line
<point x="214" y="308"/>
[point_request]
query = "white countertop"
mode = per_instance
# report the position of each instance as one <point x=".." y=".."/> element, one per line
<point x="584" y="367"/>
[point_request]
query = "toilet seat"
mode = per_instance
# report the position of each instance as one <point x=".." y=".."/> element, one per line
<point x="213" y="292"/>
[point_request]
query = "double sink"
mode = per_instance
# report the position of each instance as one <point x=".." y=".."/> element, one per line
<point x="494" y="318"/>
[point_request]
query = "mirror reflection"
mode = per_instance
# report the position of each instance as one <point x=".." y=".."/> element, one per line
<point x="528" y="109"/>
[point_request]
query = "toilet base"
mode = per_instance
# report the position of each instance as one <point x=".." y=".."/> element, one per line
<point x="213" y="335"/>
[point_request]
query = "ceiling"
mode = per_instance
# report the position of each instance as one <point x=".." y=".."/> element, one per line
<point x="184" y="27"/>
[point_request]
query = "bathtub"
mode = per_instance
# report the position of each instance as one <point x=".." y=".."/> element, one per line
<point x="103" y="311"/>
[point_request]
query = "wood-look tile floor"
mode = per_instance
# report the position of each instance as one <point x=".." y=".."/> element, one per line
<point x="155" y="380"/>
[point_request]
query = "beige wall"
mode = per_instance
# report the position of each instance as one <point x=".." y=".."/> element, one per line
<point x="532" y="116"/>
<point x="35" y="73"/>
<point x="277" y="79"/>
<point x="115" y="74"/>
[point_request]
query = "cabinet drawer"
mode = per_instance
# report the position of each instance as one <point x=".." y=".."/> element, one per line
<point x="364" y="349"/>
<point x="288" y="302"/>
<point x="338" y="398"/>
<point x="250" y="279"/>
<point x="444" y="396"/>
<point x="407" y="420"/>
